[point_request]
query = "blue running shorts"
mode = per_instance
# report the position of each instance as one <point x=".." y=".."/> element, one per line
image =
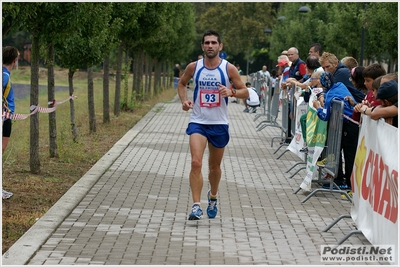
<point x="217" y="135"/>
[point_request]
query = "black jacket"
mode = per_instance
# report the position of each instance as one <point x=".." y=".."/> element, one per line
<point x="342" y="74"/>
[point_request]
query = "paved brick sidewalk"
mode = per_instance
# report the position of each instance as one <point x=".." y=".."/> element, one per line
<point x="132" y="207"/>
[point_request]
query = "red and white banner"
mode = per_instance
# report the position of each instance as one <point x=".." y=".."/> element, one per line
<point x="375" y="183"/>
<point x="35" y="109"/>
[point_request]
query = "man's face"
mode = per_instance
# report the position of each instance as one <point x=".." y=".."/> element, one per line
<point x="264" y="68"/>
<point x="368" y="82"/>
<point x="211" y="47"/>
<point x="329" y="67"/>
<point x="312" y="52"/>
<point x="292" y="55"/>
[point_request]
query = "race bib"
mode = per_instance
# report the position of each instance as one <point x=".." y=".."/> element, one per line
<point x="210" y="98"/>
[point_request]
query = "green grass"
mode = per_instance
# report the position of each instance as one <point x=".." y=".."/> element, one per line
<point x="34" y="194"/>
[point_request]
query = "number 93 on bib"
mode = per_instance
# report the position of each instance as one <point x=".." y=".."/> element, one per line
<point x="210" y="98"/>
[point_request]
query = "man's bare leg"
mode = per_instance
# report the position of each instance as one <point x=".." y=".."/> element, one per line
<point x="197" y="146"/>
<point x="214" y="162"/>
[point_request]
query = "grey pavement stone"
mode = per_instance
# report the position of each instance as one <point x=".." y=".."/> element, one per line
<point x="133" y="207"/>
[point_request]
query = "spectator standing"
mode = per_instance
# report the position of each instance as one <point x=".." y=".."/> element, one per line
<point x="313" y="67"/>
<point x="338" y="91"/>
<point x="208" y="123"/>
<point x="357" y="78"/>
<point x="388" y="95"/>
<point x="315" y="50"/>
<point x="10" y="61"/>
<point x="274" y="81"/>
<point x="312" y="84"/>
<point x="280" y="70"/>
<point x="349" y="62"/>
<point x="341" y="73"/>
<point x="297" y="71"/>
<point x="298" y="67"/>
<point x="283" y="72"/>
<point x="265" y="74"/>
<point x="284" y="53"/>
<point x="370" y="73"/>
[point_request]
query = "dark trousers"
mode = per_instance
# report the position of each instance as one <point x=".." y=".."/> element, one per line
<point x="349" y="146"/>
<point x="289" y="129"/>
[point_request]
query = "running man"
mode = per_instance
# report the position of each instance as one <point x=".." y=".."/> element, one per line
<point x="208" y="123"/>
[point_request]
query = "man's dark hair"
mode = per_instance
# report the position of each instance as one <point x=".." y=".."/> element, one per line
<point x="211" y="32"/>
<point x="10" y="53"/>
<point x="373" y="71"/>
<point x="312" y="62"/>
<point x="317" y="48"/>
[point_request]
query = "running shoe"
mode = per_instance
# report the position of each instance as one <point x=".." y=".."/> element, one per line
<point x="212" y="208"/>
<point x="321" y="162"/>
<point x="341" y="187"/>
<point x="197" y="213"/>
<point x="246" y="110"/>
<point x="6" y="194"/>
<point x="344" y="197"/>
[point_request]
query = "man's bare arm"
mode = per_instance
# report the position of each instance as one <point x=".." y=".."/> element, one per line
<point x="183" y="81"/>
<point x="241" y="89"/>
<point x="384" y="112"/>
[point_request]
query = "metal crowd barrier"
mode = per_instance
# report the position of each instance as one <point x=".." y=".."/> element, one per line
<point x="271" y="109"/>
<point x="286" y="102"/>
<point x="333" y="151"/>
<point x="258" y="81"/>
<point x="293" y="129"/>
<point x="333" y="154"/>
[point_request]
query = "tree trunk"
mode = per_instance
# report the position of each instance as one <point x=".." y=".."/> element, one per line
<point x="135" y="96"/>
<point x="157" y="77"/>
<point x="165" y="75"/>
<point x="117" y="97"/>
<point x="92" y="114"/>
<point x="34" y="161"/>
<point x="51" y="97"/>
<point x="72" y="106"/>
<point x="149" y="68"/>
<point x="106" y="91"/>
<point x="152" y="80"/>
<point x="147" y="74"/>
<point x="126" y="81"/>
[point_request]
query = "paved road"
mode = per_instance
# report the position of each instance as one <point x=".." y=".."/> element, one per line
<point x="131" y="208"/>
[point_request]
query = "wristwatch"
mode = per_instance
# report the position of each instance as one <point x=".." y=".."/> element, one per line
<point x="233" y="91"/>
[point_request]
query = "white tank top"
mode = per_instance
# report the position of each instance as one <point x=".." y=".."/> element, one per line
<point x="209" y="107"/>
